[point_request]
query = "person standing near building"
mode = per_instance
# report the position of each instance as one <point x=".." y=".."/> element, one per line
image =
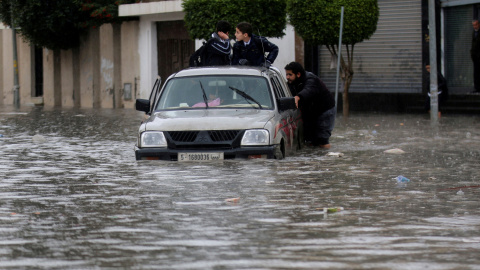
<point x="249" y="50"/>
<point x="475" y="54"/>
<point x="315" y="102"/>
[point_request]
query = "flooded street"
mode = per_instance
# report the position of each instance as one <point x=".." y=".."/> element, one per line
<point x="72" y="196"/>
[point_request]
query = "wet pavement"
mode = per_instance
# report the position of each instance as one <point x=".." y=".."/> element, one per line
<point x="72" y="196"/>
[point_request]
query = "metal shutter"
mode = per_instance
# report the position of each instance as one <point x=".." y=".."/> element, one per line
<point x="391" y="61"/>
<point x="458" y="40"/>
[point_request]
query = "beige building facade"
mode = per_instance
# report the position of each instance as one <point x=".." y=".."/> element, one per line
<point x="114" y="64"/>
<point x="101" y="73"/>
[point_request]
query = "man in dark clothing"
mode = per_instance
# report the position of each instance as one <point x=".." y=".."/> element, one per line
<point x="475" y="54"/>
<point x="315" y="102"/>
<point x="250" y="49"/>
<point x="218" y="48"/>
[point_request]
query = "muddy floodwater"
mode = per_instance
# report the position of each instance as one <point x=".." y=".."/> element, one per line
<point x="72" y="196"/>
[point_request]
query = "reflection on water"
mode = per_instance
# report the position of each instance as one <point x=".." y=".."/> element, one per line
<point x="73" y="196"/>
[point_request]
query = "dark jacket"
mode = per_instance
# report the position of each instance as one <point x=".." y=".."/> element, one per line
<point x="315" y="98"/>
<point x="218" y="51"/>
<point x="442" y="93"/>
<point x="255" y="51"/>
<point x="475" y="50"/>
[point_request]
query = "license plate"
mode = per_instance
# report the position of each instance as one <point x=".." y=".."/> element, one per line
<point x="199" y="156"/>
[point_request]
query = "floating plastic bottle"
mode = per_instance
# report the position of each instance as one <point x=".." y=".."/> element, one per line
<point x="402" y="179"/>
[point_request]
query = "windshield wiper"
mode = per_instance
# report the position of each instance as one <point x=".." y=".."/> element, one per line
<point x="245" y="95"/>
<point x="204" y="94"/>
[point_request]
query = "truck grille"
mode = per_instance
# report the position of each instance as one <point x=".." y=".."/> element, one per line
<point x="223" y="135"/>
<point x="203" y="139"/>
<point x="183" y="136"/>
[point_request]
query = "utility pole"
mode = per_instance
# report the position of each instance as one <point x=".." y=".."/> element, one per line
<point x="339" y="55"/>
<point x="433" y="63"/>
<point x="16" y="86"/>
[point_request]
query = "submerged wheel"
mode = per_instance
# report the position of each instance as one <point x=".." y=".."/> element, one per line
<point x="300" y="138"/>
<point x="280" y="151"/>
<point x="299" y="143"/>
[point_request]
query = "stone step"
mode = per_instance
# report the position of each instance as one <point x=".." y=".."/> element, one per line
<point x="463" y="104"/>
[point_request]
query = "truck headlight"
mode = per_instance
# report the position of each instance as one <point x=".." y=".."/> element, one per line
<point x="153" y="139"/>
<point x="256" y="137"/>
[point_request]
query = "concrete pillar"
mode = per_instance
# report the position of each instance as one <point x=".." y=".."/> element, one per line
<point x="107" y="87"/>
<point x="130" y="68"/>
<point x="1" y="66"/>
<point x="148" y="56"/>
<point x="76" y="77"/>
<point x="25" y="78"/>
<point x="52" y="78"/>
<point x="7" y="67"/>
<point x="48" y="78"/>
<point x="57" y="78"/>
<point x="117" y="65"/>
<point x="95" y="51"/>
<point x="67" y="78"/>
<point x="90" y="70"/>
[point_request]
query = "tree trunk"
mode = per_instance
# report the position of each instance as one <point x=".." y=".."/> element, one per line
<point x="346" y="103"/>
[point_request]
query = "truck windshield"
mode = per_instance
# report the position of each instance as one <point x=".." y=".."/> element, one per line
<point x="216" y="92"/>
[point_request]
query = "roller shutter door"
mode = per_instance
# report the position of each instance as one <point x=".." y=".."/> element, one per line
<point x="458" y="40"/>
<point x="391" y="60"/>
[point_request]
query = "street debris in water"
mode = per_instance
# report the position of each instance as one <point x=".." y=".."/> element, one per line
<point x="402" y="179"/>
<point x="38" y="138"/>
<point x="232" y="200"/>
<point x="332" y="210"/>
<point x="335" y="154"/>
<point x="394" y="151"/>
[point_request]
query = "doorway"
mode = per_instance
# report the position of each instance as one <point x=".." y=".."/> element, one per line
<point x="38" y="89"/>
<point x="174" y="47"/>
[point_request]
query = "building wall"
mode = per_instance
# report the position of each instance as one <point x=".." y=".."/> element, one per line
<point x="147" y="43"/>
<point x="107" y="86"/>
<point x="130" y="72"/>
<point x="7" y="72"/>
<point x="48" y="78"/>
<point x="24" y="59"/>
<point x="289" y="49"/>
<point x="89" y="70"/>
<point x="67" y="79"/>
<point x="24" y="70"/>
<point x="98" y="73"/>
<point x="92" y="75"/>
<point x="1" y="67"/>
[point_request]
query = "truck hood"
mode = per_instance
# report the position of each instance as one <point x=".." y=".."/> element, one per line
<point x="209" y="119"/>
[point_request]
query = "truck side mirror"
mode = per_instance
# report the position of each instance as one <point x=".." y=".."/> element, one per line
<point x="286" y="103"/>
<point x="142" y="105"/>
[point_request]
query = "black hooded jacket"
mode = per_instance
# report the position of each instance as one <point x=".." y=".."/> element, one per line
<point x="218" y="51"/>
<point x="315" y="98"/>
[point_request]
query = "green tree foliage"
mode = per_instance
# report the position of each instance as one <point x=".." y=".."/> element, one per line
<point x="58" y="24"/>
<point x="318" y="23"/>
<point x="268" y="17"/>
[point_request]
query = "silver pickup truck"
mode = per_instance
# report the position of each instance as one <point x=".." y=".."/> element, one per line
<point x="216" y="113"/>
